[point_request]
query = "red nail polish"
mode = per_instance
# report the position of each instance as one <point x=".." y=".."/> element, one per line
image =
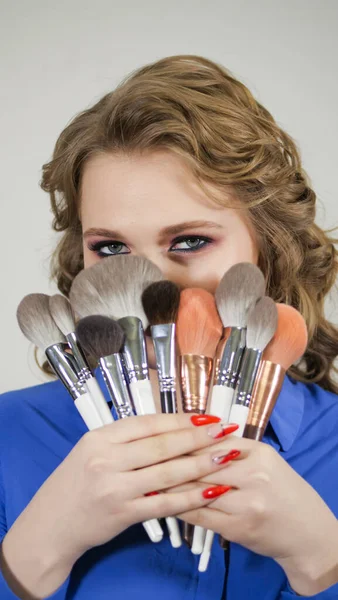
<point x="204" y="420"/>
<point x="152" y="494"/>
<point x="227" y="430"/>
<point x="217" y="490"/>
<point x="221" y="460"/>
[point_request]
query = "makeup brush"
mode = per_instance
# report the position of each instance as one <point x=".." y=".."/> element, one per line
<point x="61" y="312"/>
<point x="261" y="326"/>
<point x="113" y="288"/>
<point x="286" y="347"/>
<point x="102" y="338"/>
<point x="160" y="302"/>
<point x="199" y="329"/>
<point x="37" y="324"/>
<point x="238" y="290"/>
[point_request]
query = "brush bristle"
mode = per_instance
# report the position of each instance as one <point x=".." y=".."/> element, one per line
<point x="262" y="323"/>
<point x="160" y="301"/>
<point x="238" y="290"/>
<point x="199" y="327"/>
<point x="113" y="287"/>
<point x="36" y="322"/>
<point x="61" y="312"/>
<point x="290" y="339"/>
<point x="99" y="336"/>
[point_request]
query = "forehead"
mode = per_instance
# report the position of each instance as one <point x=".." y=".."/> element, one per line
<point x="143" y="186"/>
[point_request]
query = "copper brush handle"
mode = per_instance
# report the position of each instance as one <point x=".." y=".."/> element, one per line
<point x="195" y="380"/>
<point x="267" y="388"/>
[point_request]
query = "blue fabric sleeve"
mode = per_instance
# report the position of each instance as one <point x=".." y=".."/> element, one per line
<point x="330" y="594"/>
<point x="5" y="591"/>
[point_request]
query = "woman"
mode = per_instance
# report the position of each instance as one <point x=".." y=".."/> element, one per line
<point x="179" y="164"/>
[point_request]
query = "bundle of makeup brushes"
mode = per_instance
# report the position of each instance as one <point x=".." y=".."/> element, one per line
<point x="227" y="354"/>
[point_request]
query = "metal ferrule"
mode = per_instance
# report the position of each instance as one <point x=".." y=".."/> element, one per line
<point x="134" y="349"/>
<point x="196" y="371"/>
<point x="112" y="371"/>
<point x="247" y="376"/>
<point x="230" y="361"/>
<point x="64" y="367"/>
<point x="83" y="369"/>
<point x="267" y="388"/>
<point x="164" y="345"/>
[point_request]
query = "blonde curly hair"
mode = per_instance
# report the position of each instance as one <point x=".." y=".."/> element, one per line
<point x="198" y="109"/>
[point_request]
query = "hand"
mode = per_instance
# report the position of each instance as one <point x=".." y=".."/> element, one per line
<point x="99" y="489"/>
<point x="272" y="511"/>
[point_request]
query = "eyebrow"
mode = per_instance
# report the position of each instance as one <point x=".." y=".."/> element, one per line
<point x="164" y="233"/>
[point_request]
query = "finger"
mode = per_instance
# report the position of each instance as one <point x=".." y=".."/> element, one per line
<point x="175" y="472"/>
<point x="143" y="426"/>
<point x="235" y="502"/>
<point x="238" y="474"/>
<point x="216" y="520"/>
<point x="164" y="447"/>
<point x="233" y="475"/>
<point x="232" y="442"/>
<point x="166" y="505"/>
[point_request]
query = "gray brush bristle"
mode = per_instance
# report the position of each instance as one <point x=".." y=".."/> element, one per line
<point x="262" y="323"/>
<point x="36" y="322"/>
<point x="113" y="287"/>
<point x="99" y="336"/>
<point x="238" y="290"/>
<point x="61" y="312"/>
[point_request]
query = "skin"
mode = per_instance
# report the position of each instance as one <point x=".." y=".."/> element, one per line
<point x="269" y="508"/>
<point x="117" y="191"/>
<point x="137" y="197"/>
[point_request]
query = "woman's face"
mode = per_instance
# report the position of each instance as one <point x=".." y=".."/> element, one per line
<point x="151" y="206"/>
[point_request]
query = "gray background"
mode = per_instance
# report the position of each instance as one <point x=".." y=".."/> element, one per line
<point x="57" y="58"/>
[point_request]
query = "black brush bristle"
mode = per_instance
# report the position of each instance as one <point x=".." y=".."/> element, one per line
<point x="99" y="336"/>
<point x="160" y="301"/>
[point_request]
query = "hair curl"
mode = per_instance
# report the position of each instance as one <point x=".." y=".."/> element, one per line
<point x="196" y="108"/>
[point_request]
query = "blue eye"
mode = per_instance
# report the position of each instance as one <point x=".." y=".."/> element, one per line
<point x="180" y="245"/>
<point x="192" y="243"/>
<point x="107" y="249"/>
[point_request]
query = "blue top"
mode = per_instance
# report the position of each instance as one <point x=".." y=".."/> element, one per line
<point x="40" y="425"/>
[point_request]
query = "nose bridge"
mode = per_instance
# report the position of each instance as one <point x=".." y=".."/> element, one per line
<point x="161" y="260"/>
<point x="154" y="256"/>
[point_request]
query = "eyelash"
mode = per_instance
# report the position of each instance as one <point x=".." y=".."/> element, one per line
<point x="96" y="246"/>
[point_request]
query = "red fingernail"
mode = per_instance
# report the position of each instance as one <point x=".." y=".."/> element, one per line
<point x="152" y="494"/>
<point x="217" y="490"/>
<point x="224" y="458"/>
<point x="220" y="430"/>
<point x="204" y="420"/>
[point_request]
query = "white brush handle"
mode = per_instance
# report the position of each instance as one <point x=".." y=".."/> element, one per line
<point x="99" y="400"/>
<point x="239" y="414"/>
<point x="154" y="530"/>
<point x="221" y="400"/>
<point x="142" y="397"/>
<point x="89" y="412"/>
<point x="220" y="406"/>
<point x="198" y="539"/>
<point x="205" y="556"/>
<point x="174" y="532"/>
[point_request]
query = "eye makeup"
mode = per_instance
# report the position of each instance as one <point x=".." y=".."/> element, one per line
<point x="194" y="243"/>
<point x="98" y="246"/>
